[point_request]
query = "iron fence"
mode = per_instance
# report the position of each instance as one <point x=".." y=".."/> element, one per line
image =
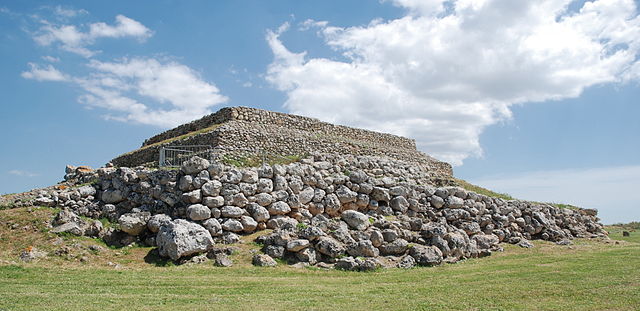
<point x="173" y="156"/>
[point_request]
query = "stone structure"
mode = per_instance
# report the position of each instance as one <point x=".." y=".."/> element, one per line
<point x="348" y="212"/>
<point x="254" y="131"/>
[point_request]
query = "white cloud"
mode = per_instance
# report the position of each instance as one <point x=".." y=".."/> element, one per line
<point x="141" y="90"/>
<point x="22" y="173"/>
<point x="613" y="191"/>
<point x="46" y="73"/>
<point x="66" y="13"/>
<point x="74" y="40"/>
<point x="441" y="75"/>
<point x="51" y="59"/>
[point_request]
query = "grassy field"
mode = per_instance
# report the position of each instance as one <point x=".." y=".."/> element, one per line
<point x="589" y="275"/>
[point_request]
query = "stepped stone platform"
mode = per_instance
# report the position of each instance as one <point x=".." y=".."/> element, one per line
<point x="254" y="131"/>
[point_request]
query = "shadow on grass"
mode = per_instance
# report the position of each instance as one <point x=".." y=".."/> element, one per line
<point x="153" y="257"/>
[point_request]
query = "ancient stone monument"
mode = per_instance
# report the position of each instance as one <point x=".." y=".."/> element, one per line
<point x="249" y="130"/>
<point x="353" y="199"/>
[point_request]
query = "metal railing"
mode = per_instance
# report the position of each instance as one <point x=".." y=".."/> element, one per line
<point x="173" y="156"/>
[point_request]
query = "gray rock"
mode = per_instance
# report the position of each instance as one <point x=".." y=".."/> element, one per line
<point x="426" y="255"/>
<point x="281" y="221"/>
<point x="280" y="183"/>
<point x="179" y="238"/>
<point x="347" y="263"/>
<point x="233" y="176"/>
<point x="358" y="177"/>
<point x="232" y="225"/>
<point x="399" y="204"/>
<point x="274" y="251"/>
<point x="397" y="247"/>
<point x="211" y="188"/>
<point x="345" y="195"/>
<point x="407" y="262"/>
<point x="355" y="219"/>
<point x="380" y="194"/>
<point x="248" y="224"/>
<point x="454" y="202"/>
<point x="213" y="202"/>
<point x="329" y="247"/>
<point x="263" y="199"/>
<point x="524" y="243"/>
<point x="390" y="235"/>
<point x="112" y="196"/>
<point x="222" y="260"/>
<point x="74" y="228"/>
<point x="311" y="233"/>
<point x="156" y="221"/>
<point x="213" y="226"/>
<point x="194" y="165"/>
<point x="306" y="195"/>
<point x="185" y="183"/>
<point x="231" y="211"/>
<point x="437" y="201"/>
<point x="134" y="223"/>
<point x="332" y="205"/>
<point x="198" y="212"/>
<point x="192" y="197"/>
<point x="262" y="260"/>
<point x="265" y="185"/>
<point x="259" y="213"/>
<point x="279" y="208"/>
<point x="297" y="245"/>
<point x="86" y="191"/>
<point x="486" y="241"/>
<point x="250" y="176"/>
<point x="363" y="248"/>
<point x="307" y="255"/>
<point x="376" y="238"/>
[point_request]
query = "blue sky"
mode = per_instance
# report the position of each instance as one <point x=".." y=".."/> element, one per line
<point x="539" y="100"/>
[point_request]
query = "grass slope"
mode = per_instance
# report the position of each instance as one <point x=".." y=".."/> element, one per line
<point x="590" y="275"/>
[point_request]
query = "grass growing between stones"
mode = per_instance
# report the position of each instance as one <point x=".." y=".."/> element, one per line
<point x="589" y="275"/>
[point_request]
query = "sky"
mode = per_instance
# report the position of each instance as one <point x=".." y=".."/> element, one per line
<point x="538" y="99"/>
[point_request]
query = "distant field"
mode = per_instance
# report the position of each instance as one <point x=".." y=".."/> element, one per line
<point x="589" y="275"/>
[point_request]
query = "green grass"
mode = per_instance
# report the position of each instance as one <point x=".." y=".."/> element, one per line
<point x="257" y="160"/>
<point x="181" y="137"/>
<point x="589" y="275"/>
<point x="477" y="189"/>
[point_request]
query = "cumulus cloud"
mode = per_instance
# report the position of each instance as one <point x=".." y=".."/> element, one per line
<point x="177" y="92"/>
<point x="140" y="90"/>
<point x="72" y="39"/>
<point x="45" y="73"/>
<point x="448" y="69"/>
<point x="612" y="190"/>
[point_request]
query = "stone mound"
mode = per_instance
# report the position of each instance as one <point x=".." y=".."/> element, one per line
<point x="244" y="131"/>
<point x="348" y="212"/>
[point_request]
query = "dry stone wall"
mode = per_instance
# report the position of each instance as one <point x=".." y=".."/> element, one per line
<point x="348" y="212"/>
<point x="245" y="130"/>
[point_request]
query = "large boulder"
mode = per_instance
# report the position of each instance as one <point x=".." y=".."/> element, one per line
<point x="330" y="247"/>
<point x="198" y="212"/>
<point x="181" y="238"/>
<point x="194" y="165"/>
<point x="355" y="219"/>
<point x="134" y="223"/>
<point x="426" y="255"/>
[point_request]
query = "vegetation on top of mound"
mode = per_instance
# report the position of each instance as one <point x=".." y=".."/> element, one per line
<point x="181" y="137"/>
<point x="479" y="190"/>
<point x="255" y="160"/>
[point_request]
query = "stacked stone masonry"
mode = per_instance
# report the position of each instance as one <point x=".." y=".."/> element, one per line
<point x="249" y="130"/>
<point x="348" y="212"/>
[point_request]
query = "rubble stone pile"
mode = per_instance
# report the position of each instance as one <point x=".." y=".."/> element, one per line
<point x="344" y="211"/>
